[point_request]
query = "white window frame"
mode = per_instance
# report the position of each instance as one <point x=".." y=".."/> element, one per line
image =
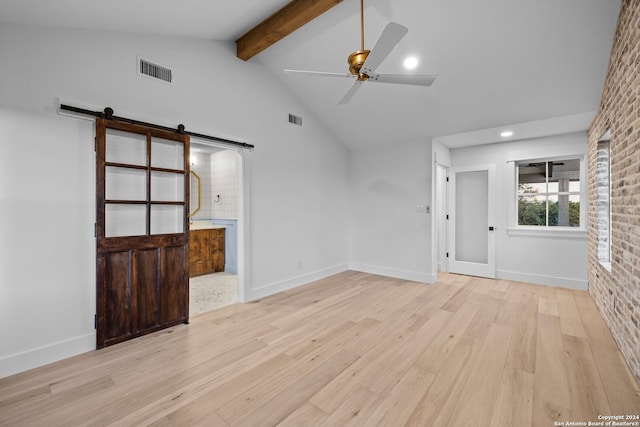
<point x="606" y="263"/>
<point x="513" y="228"/>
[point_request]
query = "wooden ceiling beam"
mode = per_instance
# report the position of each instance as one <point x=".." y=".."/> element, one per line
<point x="279" y="25"/>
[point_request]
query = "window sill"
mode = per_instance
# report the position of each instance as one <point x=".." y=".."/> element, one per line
<point x="570" y="233"/>
<point x="606" y="265"/>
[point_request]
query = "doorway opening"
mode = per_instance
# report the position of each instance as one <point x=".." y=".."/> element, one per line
<point x="215" y="196"/>
<point x="441" y="217"/>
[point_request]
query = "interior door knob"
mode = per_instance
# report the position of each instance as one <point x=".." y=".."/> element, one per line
<point x="491" y="228"/>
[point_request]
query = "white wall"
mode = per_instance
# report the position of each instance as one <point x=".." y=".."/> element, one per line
<point x="558" y="261"/>
<point x="387" y="234"/>
<point x="297" y="228"/>
<point x="440" y="153"/>
<point x="47" y="256"/>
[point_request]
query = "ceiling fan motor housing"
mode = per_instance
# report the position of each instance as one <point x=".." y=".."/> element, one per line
<point x="356" y="59"/>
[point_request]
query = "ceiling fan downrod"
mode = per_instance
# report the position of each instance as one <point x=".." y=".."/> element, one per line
<point x="357" y="58"/>
<point x="362" y="24"/>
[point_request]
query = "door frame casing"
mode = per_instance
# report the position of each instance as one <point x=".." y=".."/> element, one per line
<point x="471" y="268"/>
<point x="441" y="210"/>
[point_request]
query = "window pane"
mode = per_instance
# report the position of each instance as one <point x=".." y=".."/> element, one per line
<point x="574" y="211"/>
<point x="167" y="154"/>
<point x="167" y="219"/>
<point x="565" y="168"/>
<point x="125" y="220"/>
<point x="125" y="184"/>
<point x="532" y="210"/>
<point x="532" y="177"/>
<point x="553" y="211"/>
<point x="564" y="211"/>
<point x="532" y="188"/>
<point x="167" y="187"/>
<point x="126" y="147"/>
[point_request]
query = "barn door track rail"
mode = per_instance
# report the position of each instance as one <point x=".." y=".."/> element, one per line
<point x="107" y="113"/>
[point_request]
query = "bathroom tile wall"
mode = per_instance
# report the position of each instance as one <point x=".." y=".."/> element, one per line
<point x="224" y="179"/>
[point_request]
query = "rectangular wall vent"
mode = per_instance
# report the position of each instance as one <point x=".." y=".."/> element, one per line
<point x="147" y="68"/>
<point x="296" y="120"/>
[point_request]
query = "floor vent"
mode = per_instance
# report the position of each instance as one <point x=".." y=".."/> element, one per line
<point x="155" y="71"/>
<point x="296" y="120"/>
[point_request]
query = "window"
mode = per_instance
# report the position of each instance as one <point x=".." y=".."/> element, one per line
<point x="603" y="183"/>
<point x="549" y="193"/>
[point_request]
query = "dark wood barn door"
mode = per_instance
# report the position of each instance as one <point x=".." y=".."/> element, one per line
<point x="141" y="229"/>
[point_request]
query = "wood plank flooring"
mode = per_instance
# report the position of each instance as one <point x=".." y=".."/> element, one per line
<point x="354" y="349"/>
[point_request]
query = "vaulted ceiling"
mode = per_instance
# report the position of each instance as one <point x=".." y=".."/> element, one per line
<point x="530" y="65"/>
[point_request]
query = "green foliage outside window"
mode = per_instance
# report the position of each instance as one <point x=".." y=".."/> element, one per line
<point x="534" y="212"/>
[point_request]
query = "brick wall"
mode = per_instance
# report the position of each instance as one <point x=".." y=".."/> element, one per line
<point x="617" y="292"/>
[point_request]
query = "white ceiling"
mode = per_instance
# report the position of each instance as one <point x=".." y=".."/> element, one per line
<point x="209" y="19"/>
<point x="501" y="63"/>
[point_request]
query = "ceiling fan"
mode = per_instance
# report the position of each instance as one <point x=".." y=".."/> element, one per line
<point x="363" y="63"/>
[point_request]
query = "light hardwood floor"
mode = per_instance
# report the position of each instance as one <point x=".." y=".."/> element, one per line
<point x="353" y="349"/>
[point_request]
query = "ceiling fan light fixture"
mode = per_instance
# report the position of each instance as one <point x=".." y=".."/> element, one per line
<point x="410" y="62"/>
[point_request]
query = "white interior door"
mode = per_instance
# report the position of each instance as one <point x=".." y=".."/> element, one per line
<point x="471" y="222"/>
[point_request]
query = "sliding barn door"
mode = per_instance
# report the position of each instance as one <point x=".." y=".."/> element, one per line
<point x="141" y="228"/>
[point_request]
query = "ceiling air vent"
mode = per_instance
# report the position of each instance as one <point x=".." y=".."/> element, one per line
<point x="147" y="68"/>
<point x="296" y="120"/>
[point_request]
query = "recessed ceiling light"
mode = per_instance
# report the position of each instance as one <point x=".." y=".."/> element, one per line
<point x="506" y="134"/>
<point x="410" y="62"/>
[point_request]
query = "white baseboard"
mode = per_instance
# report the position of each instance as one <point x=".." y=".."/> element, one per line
<point x="44" y="355"/>
<point x="395" y="273"/>
<point x="563" y="282"/>
<point x="274" y="288"/>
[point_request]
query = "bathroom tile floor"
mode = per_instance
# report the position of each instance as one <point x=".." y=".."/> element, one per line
<point x="212" y="291"/>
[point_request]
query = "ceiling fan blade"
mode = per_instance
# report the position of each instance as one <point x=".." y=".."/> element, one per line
<point x="321" y="73"/>
<point x="405" y="79"/>
<point x="390" y="37"/>
<point x="350" y="93"/>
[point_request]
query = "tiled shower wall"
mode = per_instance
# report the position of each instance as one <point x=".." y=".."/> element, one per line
<point x="617" y="292"/>
<point x="224" y="178"/>
<point x="218" y="176"/>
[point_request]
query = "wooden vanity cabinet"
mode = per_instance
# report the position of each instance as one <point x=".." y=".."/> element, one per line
<point x="206" y="251"/>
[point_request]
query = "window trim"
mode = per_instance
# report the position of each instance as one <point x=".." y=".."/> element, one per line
<point x="514" y="229"/>
<point x="604" y="143"/>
